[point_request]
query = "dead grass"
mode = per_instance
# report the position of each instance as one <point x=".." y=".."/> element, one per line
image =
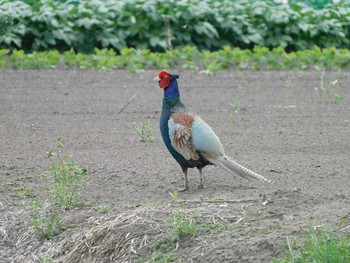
<point x="126" y="237"/>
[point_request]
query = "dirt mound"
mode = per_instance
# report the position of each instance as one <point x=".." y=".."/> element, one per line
<point x="111" y="240"/>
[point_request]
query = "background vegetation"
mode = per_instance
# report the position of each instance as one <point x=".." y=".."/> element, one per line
<point x="158" y="25"/>
<point x="189" y="57"/>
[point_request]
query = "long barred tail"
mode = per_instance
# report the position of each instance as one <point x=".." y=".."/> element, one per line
<point x="230" y="165"/>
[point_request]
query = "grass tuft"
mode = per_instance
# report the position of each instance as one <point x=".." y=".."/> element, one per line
<point x="62" y="181"/>
<point x="320" y="246"/>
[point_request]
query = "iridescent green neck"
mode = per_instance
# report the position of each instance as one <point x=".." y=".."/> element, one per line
<point x="171" y="103"/>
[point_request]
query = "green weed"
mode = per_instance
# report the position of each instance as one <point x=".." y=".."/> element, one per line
<point x="18" y="187"/>
<point x="62" y="181"/>
<point x="235" y="108"/>
<point x="335" y="97"/>
<point x="45" y="220"/>
<point x="23" y="191"/>
<point x="175" y="196"/>
<point x="15" y="187"/>
<point x="105" y="208"/>
<point x="161" y="257"/>
<point x="320" y="246"/>
<point x="64" y="178"/>
<point x="145" y="132"/>
<point x="181" y="225"/>
<point x="46" y="259"/>
<point x="331" y="90"/>
<point x="213" y="227"/>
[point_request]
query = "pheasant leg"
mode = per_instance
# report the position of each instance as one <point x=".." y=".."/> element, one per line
<point x="185" y="188"/>
<point x="200" y="186"/>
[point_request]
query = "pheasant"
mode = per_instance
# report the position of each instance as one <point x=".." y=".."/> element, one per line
<point x="189" y="139"/>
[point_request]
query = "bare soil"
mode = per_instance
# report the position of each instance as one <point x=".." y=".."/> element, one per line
<point x="287" y="129"/>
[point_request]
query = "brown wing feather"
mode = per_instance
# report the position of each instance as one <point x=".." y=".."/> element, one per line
<point x="182" y="137"/>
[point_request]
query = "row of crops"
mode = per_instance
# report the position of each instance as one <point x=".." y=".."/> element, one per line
<point x="189" y="57"/>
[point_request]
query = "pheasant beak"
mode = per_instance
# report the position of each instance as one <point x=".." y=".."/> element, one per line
<point x="156" y="79"/>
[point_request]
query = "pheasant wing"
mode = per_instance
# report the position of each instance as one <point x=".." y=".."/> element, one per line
<point x="180" y="133"/>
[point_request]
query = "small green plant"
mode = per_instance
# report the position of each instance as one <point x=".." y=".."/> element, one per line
<point x="235" y="108"/>
<point x="18" y="188"/>
<point x="23" y="191"/>
<point x="62" y="181"/>
<point x="64" y="178"/>
<point x="162" y="257"/>
<point x="335" y="97"/>
<point x="46" y="259"/>
<point x="320" y="246"/>
<point x="175" y="196"/>
<point x="105" y="208"/>
<point x="181" y="225"/>
<point x="332" y="92"/>
<point x="45" y="220"/>
<point x="214" y="227"/>
<point x="145" y="132"/>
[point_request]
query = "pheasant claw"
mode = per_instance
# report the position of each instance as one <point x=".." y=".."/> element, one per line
<point x="184" y="189"/>
<point x="201" y="186"/>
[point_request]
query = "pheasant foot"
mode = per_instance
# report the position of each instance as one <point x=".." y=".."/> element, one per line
<point x="185" y="188"/>
<point x="201" y="186"/>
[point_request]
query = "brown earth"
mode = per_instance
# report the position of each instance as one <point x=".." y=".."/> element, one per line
<point x="287" y="129"/>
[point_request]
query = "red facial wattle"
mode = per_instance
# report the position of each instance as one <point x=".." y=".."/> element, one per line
<point x="164" y="82"/>
<point x="165" y="78"/>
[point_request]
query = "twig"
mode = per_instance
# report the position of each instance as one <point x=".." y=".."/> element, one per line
<point x="322" y="80"/>
<point x="217" y="201"/>
<point x="289" y="246"/>
<point x="239" y="220"/>
<point x="130" y="100"/>
<point x="344" y="228"/>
